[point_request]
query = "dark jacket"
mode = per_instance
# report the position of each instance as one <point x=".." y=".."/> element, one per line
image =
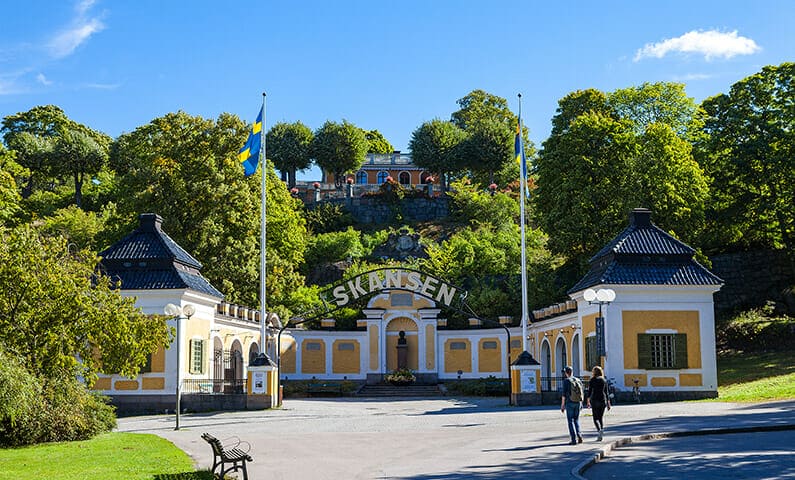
<point x="597" y="390"/>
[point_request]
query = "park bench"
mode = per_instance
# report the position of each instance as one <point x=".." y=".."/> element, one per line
<point x="229" y="455"/>
<point x="325" y="388"/>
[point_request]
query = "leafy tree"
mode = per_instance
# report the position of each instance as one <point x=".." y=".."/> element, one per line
<point x="334" y="246"/>
<point x="579" y="103"/>
<point x="650" y="103"/>
<point x="9" y="195"/>
<point x="479" y="208"/>
<point x="339" y="148"/>
<point x="185" y="169"/>
<point x="79" y="154"/>
<point x="33" y="154"/>
<point x="377" y="143"/>
<point x="478" y="106"/>
<point x="488" y="148"/>
<point x="748" y="152"/>
<point x="62" y="318"/>
<point x="79" y="227"/>
<point x="433" y="145"/>
<point x="288" y="148"/>
<point x="581" y="193"/>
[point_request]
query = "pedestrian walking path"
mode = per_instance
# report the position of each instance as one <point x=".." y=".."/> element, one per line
<point x="439" y="438"/>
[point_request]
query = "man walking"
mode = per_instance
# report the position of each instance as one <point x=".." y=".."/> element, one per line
<point x="571" y="402"/>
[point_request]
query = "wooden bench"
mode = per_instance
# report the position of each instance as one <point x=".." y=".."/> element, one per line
<point x="233" y="456"/>
<point x="324" y="388"/>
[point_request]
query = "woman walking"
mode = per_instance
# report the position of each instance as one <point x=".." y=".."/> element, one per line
<point x="598" y="399"/>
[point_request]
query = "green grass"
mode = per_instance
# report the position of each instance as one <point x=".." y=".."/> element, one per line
<point x="756" y="377"/>
<point x="112" y="456"/>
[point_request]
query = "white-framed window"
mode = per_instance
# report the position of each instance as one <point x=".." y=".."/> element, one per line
<point x="382" y="177"/>
<point x="662" y="351"/>
<point x="361" y="177"/>
<point x="404" y="178"/>
<point x="196" y="359"/>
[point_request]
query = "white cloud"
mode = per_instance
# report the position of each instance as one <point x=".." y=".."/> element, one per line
<point x="103" y="86"/>
<point x="692" y="76"/>
<point x="43" y="80"/>
<point x="710" y="43"/>
<point x="65" y="42"/>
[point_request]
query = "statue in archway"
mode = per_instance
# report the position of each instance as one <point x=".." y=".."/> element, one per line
<point x="402" y="350"/>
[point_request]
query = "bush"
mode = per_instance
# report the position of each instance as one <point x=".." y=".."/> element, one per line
<point x="757" y="330"/>
<point x="36" y="410"/>
<point x="327" y="217"/>
<point x="333" y="247"/>
<point x="490" y="386"/>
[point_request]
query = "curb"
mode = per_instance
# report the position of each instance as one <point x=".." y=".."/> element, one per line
<point x="577" y="471"/>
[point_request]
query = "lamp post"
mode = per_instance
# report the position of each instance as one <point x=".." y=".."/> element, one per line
<point x="177" y="313"/>
<point x="600" y="297"/>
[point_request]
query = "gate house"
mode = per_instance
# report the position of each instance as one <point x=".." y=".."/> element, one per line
<point x="659" y="330"/>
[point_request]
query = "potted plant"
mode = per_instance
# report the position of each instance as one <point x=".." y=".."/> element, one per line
<point x="401" y="376"/>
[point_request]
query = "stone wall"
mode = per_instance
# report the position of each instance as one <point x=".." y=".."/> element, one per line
<point x="375" y="210"/>
<point x="753" y="278"/>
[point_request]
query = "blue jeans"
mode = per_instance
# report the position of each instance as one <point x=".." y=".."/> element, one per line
<point x="573" y="419"/>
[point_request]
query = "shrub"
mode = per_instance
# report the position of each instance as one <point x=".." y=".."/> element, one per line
<point x="36" y="410"/>
<point x="490" y="386"/>
<point x="333" y="247"/>
<point x="327" y="217"/>
<point x="757" y="330"/>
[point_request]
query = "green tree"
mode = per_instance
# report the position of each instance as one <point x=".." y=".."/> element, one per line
<point x="748" y="153"/>
<point x="651" y="103"/>
<point x="581" y="192"/>
<point x="33" y="154"/>
<point x="62" y="318"/>
<point x="377" y="143"/>
<point x="487" y="149"/>
<point x="77" y="154"/>
<point x="433" y="145"/>
<point x="288" y="148"/>
<point x="185" y="169"/>
<point x="579" y="103"/>
<point x="478" y="106"/>
<point x="9" y="194"/>
<point x="339" y="148"/>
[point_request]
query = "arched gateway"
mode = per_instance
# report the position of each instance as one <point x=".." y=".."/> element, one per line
<point x="398" y="300"/>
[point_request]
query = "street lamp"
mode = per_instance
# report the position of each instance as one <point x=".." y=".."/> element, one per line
<point x="600" y="297"/>
<point x="177" y="314"/>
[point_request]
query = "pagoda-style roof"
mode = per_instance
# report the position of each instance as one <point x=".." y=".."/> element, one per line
<point x="643" y="254"/>
<point x="148" y="259"/>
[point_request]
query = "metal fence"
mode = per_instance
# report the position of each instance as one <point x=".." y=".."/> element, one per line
<point x="209" y="386"/>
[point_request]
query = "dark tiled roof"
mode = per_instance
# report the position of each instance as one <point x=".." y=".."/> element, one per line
<point x="162" y="280"/>
<point x="643" y="254"/>
<point x="148" y="259"/>
<point x="146" y="244"/>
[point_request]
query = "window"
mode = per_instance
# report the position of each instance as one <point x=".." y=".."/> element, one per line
<point x="313" y="346"/>
<point x="345" y="346"/>
<point x="489" y="345"/>
<point x="147" y="368"/>
<point x="402" y="299"/>
<point x="515" y="343"/>
<point x="382" y="177"/>
<point x="458" y="346"/>
<point x="404" y="178"/>
<point x="662" y="351"/>
<point x="591" y="358"/>
<point x="196" y="356"/>
<point x="361" y="177"/>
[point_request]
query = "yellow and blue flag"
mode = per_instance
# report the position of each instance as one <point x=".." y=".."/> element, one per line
<point x="249" y="154"/>
<point x="518" y="148"/>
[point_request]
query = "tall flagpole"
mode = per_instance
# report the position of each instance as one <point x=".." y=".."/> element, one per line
<point x="263" y="329"/>
<point x="522" y="194"/>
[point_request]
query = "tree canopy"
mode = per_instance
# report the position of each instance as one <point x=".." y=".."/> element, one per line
<point x="339" y="148"/>
<point x="433" y="147"/>
<point x="288" y="148"/>
<point x="377" y="143"/>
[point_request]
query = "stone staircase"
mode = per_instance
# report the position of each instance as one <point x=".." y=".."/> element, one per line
<point x="386" y="390"/>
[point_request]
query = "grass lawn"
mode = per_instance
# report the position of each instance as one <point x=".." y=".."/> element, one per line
<point x="754" y="377"/>
<point x="122" y="456"/>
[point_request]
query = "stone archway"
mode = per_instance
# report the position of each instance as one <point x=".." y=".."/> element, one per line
<point x="393" y="329"/>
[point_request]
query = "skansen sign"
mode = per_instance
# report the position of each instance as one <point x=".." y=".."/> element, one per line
<point x="388" y="279"/>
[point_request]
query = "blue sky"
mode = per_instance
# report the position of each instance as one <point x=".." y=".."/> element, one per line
<point x="387" y="65"/>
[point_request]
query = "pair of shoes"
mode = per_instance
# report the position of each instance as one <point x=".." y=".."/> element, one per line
<point x="572" y="442"/>
<point x="599" y="437"/>
<point x="579" y="439"/>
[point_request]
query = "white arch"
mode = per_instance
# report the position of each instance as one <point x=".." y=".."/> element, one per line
<point x="546" y="362"/>
<point x="575" y="355"/>
<point x="561" y="355"/>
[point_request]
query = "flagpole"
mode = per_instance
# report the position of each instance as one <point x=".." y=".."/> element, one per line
<point x="522" y="194"/>
<point x="263" y="329"/>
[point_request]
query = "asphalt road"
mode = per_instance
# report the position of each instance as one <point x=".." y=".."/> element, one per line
<point x="435" y="439"/>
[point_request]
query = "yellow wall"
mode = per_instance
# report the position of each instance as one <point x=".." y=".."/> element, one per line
<point x="690" y="380"/>
<point x="313" y="361"/>
<point x="159" y="360"/>
<point x="288" y="359"/>
<point x="153" y="383"/>
<point x="635" y="322"/>
<point x="126" y="385"/>
<point x="663" y="382"/>
<point x="629" y="379"/>
<point x="102" y="383"/>
<point x="373" y="331"/>
<point x="489" y="360"/>
<point x="430" y="347"/>
<point x="345" y="361"/>
<point x="455" y="360"/>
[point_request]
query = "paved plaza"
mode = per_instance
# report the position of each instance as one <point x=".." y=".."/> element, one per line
<point x="479" y="438"/>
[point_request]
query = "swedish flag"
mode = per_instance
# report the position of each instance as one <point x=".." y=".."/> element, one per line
<point x="518" y="149"/>
<point x="249" y="154"/>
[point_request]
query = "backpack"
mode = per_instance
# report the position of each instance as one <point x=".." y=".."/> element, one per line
<point x="576" y="389"/>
